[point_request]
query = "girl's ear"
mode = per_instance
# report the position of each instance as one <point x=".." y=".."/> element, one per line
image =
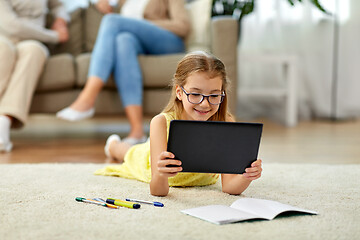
<point x="178" y="92"/>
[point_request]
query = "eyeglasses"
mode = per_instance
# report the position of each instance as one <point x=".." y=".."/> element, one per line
<point x="197" y="98"/>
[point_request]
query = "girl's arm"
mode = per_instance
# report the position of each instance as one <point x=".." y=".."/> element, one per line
<point x="237" y="183"/>
<point x="160" y="158"/>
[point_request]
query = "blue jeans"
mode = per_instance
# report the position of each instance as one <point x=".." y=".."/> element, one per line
<point x="119" y="42"/>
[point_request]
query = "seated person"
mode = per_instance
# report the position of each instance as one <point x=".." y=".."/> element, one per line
<point x="23" y="55"/>
<point x="142" y="27"/>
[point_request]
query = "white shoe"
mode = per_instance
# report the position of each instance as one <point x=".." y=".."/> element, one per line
<point x="110" y="139"/>
<point x="74" y="115"/>
<point x="133" y="141"/>
<point x="5" y="146"/>
<point x="5" y="143"/>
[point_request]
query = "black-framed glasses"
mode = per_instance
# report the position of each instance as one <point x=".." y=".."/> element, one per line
<point x="197" y="98"/>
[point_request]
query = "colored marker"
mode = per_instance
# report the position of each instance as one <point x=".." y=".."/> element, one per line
<point x="122" y="203"/>
<point x="99" y="200"/>
<point x="156" y="204"/>
<point x="80" y="199"/>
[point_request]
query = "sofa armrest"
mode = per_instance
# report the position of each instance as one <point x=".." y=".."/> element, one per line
<point x="224" y="37"/>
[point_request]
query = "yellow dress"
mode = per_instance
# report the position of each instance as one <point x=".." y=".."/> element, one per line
<point x="137" y="166"/>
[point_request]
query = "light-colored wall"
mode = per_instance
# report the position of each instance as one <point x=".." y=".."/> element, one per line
<point x="277" y="28"/>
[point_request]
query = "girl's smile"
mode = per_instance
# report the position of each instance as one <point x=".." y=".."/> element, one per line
<point x="201" y="112"/>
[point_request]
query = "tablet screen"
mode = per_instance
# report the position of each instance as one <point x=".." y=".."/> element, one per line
<point x="214" y="147"/>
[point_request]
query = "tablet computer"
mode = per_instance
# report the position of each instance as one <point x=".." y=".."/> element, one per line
<point x="214" y="147"/>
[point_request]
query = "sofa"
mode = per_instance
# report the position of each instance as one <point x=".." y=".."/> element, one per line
<point x="65" y="72"/>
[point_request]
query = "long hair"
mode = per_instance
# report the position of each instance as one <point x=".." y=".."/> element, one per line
<point x="199" y="62"/>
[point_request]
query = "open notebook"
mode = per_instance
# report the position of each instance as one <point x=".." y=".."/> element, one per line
<point x="243" y="209"/>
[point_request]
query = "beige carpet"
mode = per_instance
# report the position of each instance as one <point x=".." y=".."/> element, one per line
<point x="37" y="202"/>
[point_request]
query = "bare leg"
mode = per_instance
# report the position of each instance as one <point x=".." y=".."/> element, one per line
<point x="118" y="150"/>
<point x="87" y="97"/>
<point x="134" y="114"/>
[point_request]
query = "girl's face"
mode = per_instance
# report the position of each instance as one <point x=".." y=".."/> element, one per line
<point x="199" y="83"/>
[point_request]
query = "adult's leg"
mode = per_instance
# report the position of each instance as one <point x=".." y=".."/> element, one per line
<point x="134" y="113"/>
<point x="17" y="97"/>
<point x="154" y="39"/>
<point x="7" y="60"/>
<point x="101" y="65"/>
<point x="87" y="97"/>
<point x="138" y="37"/>
<point x="128" y="79"/>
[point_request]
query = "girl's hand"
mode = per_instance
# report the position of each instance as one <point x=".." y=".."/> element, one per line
<point x="166" y="159"/>
<point x="253" y="172"/>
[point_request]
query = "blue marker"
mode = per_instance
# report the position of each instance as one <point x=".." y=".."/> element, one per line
<point x="156" y="204"/>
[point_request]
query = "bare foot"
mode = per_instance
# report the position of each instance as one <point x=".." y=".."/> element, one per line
<point x="118" y="150"/>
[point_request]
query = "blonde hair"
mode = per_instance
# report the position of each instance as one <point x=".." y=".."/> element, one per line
<point x="199" y="62"/>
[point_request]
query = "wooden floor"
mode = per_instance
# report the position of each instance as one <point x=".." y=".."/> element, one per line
<point x="47" y="139"/>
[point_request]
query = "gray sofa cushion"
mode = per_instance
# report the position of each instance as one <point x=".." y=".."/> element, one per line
<point x="82" y="65"/>
<point x="158" y="70"/>
<point x="58" y="74"/>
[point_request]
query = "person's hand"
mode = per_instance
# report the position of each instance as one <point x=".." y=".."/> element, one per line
<point x="253" y="172"/>
<point x="61" y="28"/>
<point x="166" y="159"/>
<point x="59" y="23"/>
<point x="104" y="6"/>
<point x="63" y="35"/>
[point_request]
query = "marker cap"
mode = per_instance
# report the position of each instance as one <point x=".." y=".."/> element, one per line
<point x="158" y="204"/>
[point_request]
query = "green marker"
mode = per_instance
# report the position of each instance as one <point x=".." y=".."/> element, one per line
<point x="122" y="203"/>
<point x="81" y="199"/>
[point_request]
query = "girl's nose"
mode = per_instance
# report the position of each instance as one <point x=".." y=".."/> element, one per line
<point x="205" y="102"/>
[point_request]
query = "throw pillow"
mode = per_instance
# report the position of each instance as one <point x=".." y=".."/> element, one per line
<point x="199" y="12"/>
